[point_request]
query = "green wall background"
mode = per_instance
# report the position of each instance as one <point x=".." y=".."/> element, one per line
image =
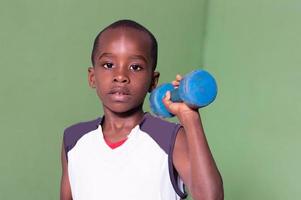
<point x="251" y="47"/>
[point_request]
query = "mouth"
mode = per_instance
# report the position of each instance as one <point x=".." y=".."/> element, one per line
<point x="120" y="91"/>
<point x="119" y="94"/>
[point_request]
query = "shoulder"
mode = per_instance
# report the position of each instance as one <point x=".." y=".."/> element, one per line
<point x="161" y="130"/>
<point x="74" y="132"/>
<point x="152" y="122"/>
<point x="82" y="127"/>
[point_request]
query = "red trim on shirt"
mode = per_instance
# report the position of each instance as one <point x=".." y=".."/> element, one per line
<point x="114" y="145"/>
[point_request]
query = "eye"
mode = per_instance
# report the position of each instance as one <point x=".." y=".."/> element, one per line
<point x="108" y="65"/>
<point x="136" y="67"/>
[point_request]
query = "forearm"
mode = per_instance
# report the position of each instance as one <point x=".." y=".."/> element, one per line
<point x="204" y="178"/>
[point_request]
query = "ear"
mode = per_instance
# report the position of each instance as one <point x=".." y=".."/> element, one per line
<point x="155" y="80"/>
<point x="91" y="77"/>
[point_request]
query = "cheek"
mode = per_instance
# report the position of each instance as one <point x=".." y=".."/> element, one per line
<point x="101" y="84"/>
<point x="143" y="85"/>
<point x="102" y="78"/>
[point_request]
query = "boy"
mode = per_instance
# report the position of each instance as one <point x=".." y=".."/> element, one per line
<point x="129" y="154"/>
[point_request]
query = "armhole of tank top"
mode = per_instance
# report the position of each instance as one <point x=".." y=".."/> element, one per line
<point x="65" y="146"/>
<point x="174" y="176"/>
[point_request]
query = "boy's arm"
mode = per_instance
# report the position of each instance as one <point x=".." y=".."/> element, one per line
<point x="192" y="157"/>
<point x="194" y="162"/>
<point x="65" y="191"/>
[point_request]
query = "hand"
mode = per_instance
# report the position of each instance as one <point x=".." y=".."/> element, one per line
<point x="180" y="109"/>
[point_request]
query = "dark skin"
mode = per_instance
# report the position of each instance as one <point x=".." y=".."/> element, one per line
<point x="122" y="75"/>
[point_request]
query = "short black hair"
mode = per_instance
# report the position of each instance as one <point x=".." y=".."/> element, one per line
<point x="126" y="23"/>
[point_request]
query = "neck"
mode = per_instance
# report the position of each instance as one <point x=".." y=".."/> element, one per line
<point x="121" y="122"/>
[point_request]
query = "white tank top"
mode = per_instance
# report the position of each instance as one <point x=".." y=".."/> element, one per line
<point x="139" y="169"/>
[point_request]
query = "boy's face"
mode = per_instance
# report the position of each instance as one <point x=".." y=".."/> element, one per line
<point x="123" y="71"/>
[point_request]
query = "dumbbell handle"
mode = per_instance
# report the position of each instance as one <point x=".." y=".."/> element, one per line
<point x="174" y="95"/>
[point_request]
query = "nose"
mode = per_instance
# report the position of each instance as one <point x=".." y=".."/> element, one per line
<point x="121" y="77"/>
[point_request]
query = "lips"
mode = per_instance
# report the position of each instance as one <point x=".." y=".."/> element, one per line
<point x="119" y="91"/>
<point x="119" y="94"/>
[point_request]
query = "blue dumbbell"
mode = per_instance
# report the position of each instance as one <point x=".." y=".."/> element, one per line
<point x="197" y="89"/>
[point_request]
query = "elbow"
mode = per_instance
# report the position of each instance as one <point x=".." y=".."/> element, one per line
<point x="209" y="196"/>
<point x="216" y="196"/>
<point x="211" y="193"/>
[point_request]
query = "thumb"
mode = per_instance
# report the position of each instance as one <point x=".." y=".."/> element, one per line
<point x="166" y="100"/>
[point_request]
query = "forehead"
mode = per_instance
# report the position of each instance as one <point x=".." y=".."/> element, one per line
<point x="133" y="40"/>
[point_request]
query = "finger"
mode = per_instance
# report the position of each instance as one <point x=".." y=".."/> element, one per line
<point x="178" y="77"/>
<point x="167" y="95"/>
<point x="169" y="105"/>
<point x="175" y="83"/>
<point x="166" y="100"/>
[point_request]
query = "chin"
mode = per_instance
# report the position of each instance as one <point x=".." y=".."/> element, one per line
<point x="123" y="109"/>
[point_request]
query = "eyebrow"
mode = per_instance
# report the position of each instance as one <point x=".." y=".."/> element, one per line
<point x="105" y="54"/>
<point x="131" y="57"/>
<point x="139" y="57"/>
